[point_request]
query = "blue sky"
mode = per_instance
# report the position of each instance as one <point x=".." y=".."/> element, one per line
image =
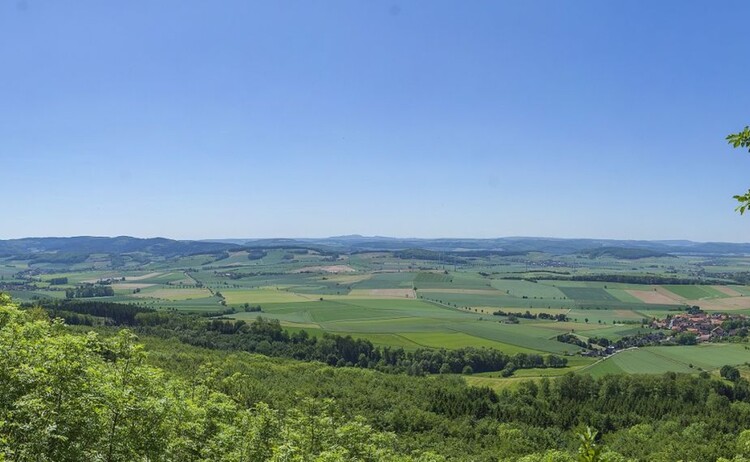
<point x="198" y="119"/>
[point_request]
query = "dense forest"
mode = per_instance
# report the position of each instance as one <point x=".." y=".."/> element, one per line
<point x="90" y="291"/>
<point x="69" y="393"/>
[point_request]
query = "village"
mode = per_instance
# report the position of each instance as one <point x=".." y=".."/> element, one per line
<point x="695" y="326"/>
<point x="705" y="326"/>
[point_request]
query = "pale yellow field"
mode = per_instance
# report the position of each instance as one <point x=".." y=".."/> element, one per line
<point x="300" y="325"/>
<point x="627" y="314"/>
<point x="727" y="290"/>
<point x="186" y="281"/>
<point x="654" y="297"/>
<point x="566" y="326"/>
<point x="174" y="294"/>
<point x="492" y="309"/>
<point x="723" y="304"/>
<point x="349" y="278"/>
<point x="142" y="277"/>
<point x="496" y="384"/>
<point x="465" y="291"/>
<point x="383" y="293"/>
<point x="264" y="295"/>
<point x="131" y="285"/>
<point x="327" y="269"/>
<point x="127" y="278"/>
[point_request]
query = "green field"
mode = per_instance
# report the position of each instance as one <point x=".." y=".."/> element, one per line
<point x="696" y="292"/>
<point x="588" y="294"/>
<point x="529" y="289"/>
<point x="655" y="360"/>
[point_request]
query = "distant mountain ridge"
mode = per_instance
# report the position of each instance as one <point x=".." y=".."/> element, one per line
<point x="165" y="247"/>
<point x="108" y="245"/>
<point x="510" y="244"/>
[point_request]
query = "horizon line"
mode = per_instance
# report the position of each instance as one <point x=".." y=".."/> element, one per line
<point x="375" y="236"/>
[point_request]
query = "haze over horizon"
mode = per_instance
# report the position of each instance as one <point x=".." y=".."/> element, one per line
<point x="376" y="237"/>
<point x="191" y="120"/>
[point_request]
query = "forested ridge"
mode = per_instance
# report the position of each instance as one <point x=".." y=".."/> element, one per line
<point x="69" y="394"/>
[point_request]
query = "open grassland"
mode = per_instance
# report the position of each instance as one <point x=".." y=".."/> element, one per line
<point x="652" y="297"/>
<point x="623" y="295"/>
<point x="387" y="281"/>
<point x="385" y="293"/>
<point x="728" y="304"/>
<point x="693" y="292"/>
<point x="520" y="288"/>
<point x="419" y="322"/>
<point x="454" y="280"/>
<point x="263" y="295"/>
<point x="687" y="359"/>
<point x="488" y="298"/>
<point x="495" y="380"/>
<point x="588" y="294"/>
<point x="522" y="335"/>
<point x="460" y="340"/>
<point x="728" y="291"/>
<point x="170" y="293"/>
<point x="592" y="316"/>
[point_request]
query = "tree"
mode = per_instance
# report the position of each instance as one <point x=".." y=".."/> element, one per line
<point x="730" y="373"/>
<point x="67" y="397"/>
<point x="588" y="451"/>
<point x="741" y="140"/>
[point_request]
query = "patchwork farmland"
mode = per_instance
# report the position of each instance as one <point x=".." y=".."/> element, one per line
<point x="516" y="304"/>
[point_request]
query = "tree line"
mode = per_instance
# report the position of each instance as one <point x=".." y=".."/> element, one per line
<point x="266" y="336"/>
<point x="90" y="291"/>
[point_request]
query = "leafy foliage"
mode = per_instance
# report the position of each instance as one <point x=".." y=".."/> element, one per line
<point x="66" y="397"/>
<point x="741" y="139"/>
<point x="89" y="396"/>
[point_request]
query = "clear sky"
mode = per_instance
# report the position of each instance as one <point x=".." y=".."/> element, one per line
<point x="211" y="119"/>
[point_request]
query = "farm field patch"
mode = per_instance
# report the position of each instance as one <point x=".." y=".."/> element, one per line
<point x="656" y="360"/>
<point x="519" y="288"/>
<point x="263" y="295"/>
<point x="522" y="335"/>
<point x="695" y="292"/>
<point x="588" y="294"/>
<point x="172" y="294"/>
<point x="624" y="295"/>
<point x="497" y="300"/>
<point x="387" y="281"/>
<point x="326" y="269"/>
<point x="603" y="316"/>
<point x="727" y="291"/>
<point x="386" y="293"/>
<point x="652" y="296"/>
<point x="452" y="340"/>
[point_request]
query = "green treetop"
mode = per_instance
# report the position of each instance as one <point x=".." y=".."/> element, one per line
<point x="741" y="140"/>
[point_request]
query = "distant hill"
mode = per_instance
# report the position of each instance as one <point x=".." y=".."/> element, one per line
<point x="625" y="253"/>
<point x="78" y="247"/>
<point x="555" y="246"/>
<point x="36" y="247"/>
